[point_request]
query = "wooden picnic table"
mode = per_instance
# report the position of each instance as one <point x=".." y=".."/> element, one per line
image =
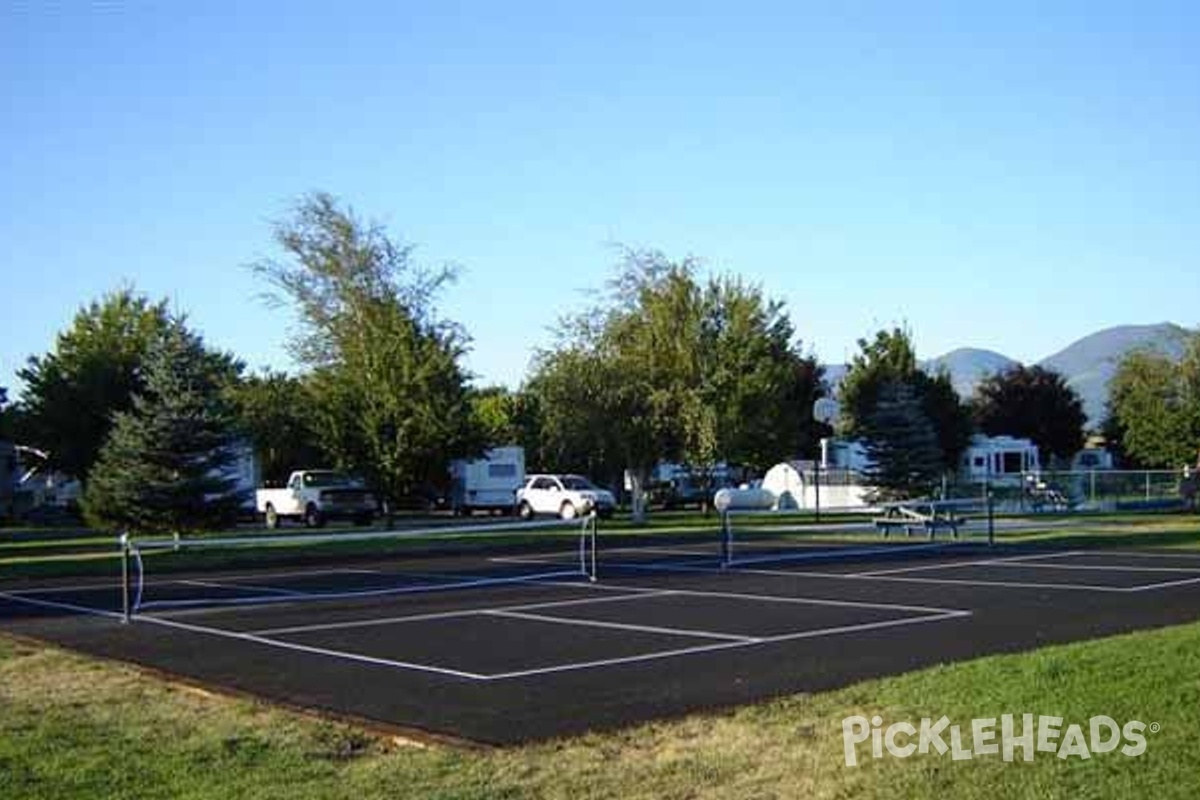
<point x="927" y="516"/>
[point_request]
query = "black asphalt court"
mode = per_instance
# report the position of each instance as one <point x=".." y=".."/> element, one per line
<point x="658" y="635"/>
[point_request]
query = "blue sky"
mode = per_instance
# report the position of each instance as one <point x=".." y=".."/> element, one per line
<point x="1010" y="175"/>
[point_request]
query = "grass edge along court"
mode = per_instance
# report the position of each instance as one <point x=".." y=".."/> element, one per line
<point x="79" y="727"/>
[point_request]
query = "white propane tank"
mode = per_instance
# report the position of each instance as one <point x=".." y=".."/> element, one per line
<point x="743" y="500"/>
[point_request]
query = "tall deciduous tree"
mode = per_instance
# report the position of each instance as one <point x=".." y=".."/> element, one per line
<point x="1034" y="403"/>
<point x="163" y="466"/>
<point x="673" y="368"/>
<point x="390" y="394"/>
<point x="1154" y="407"/>
<point x="73" y="392"/>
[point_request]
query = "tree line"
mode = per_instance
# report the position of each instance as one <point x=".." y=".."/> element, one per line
<point x="667" y="364"/>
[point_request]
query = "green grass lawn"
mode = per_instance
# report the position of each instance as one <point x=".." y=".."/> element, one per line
<point x="72" y="727"/>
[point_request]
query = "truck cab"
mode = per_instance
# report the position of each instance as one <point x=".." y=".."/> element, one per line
<point x="316" y="496"/>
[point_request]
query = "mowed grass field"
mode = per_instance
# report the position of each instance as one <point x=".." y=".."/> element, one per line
<point x="74" y="727"/>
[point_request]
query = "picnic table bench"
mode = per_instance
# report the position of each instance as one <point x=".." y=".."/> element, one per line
<point x="927" y="516"/>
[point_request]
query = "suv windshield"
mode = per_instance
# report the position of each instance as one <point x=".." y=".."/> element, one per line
<point x="327" y="479"/>
<point x="576" y="483"/>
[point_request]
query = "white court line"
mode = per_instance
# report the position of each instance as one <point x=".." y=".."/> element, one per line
<point x="463" y="612"/>
<point x="1004" y="584"/>
<point x="1164" y="585"/>
<point x="361" y="593"/>
<point x="320" y="651"/>
<point x="835" y="554"/>
<point x="634" y="593"/>
<point x="413" y="666"/>
<point x="816" y="601"/>
<point x="882" y="576"/>
<point x="99" y="612"/>
<point x="621" y="626"/>
<point x="167" y="581"/>
<point x="956" y="582"/>
<point x="956" y="564"/>
<point x="1136" y="554"/>
<point x="813" y="634"/>
<point x="245" y="586"/>
<point x="1106" y="567"/>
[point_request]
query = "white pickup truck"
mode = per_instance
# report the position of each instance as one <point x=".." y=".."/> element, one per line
<point x="315" y="496"/>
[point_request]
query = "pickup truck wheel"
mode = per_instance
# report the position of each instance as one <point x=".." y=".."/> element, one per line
<point x="312" y="516"/>
<point x="568" y="510"/>
<point x="271" y="517"/>
<point x="524" y="510"/>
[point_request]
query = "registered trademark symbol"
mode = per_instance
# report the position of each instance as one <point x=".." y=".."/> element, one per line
<point x="1155" y="727"/>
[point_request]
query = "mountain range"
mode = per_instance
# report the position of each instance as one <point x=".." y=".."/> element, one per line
<point x="1087" y="364"/>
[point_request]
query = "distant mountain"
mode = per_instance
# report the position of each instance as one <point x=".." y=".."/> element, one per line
<point x="1089" y="363"/>
<point x="968" y="366"/>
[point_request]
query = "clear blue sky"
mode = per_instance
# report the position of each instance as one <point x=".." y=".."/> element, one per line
<point x="1010" y="177"/>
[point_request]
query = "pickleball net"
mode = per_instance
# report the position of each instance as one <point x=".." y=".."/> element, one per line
<point x="252" y="570"/>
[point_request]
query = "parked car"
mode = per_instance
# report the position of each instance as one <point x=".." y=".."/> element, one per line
<point x="565" y="496"/>
<point x="315" y="496"/>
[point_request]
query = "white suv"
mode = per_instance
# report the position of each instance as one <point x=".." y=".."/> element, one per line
<point x="566" y="496"/>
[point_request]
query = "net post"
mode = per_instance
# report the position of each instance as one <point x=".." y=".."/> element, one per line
<point x="126" y="577"/>
<point x="726" y="539"/>
<point x="595" y="529"/>
<point x="991" y="518"/>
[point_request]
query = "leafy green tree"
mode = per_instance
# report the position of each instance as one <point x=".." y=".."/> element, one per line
<point x="162" y="467"/>
<point x="1034" y="403"/>
<point x="390" y="394"/>
<point x="496" y="411"/>
<point x="889" y="359"/>
<point x="1154" y="407"/>
<point x="906" y="459"/>
<point x="274" y="413"/>
<point x="574" y="391"/>
<point x="755" y="378"/>
<point x="669" y="367"/>
<point x="951" y="417"/>
<point x="73" y="392"/>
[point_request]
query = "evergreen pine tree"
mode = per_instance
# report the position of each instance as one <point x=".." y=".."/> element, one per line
<point x="162" y="467"/>
<point x="902" y="445"/>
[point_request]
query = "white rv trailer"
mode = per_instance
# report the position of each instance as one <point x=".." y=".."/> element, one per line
<point x="489" y="483"/>
<point x="999" y="459"/>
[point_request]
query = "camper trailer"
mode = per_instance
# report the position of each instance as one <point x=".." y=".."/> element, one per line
<point x="999" y="459"/>
<point x="489" y="483"/>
